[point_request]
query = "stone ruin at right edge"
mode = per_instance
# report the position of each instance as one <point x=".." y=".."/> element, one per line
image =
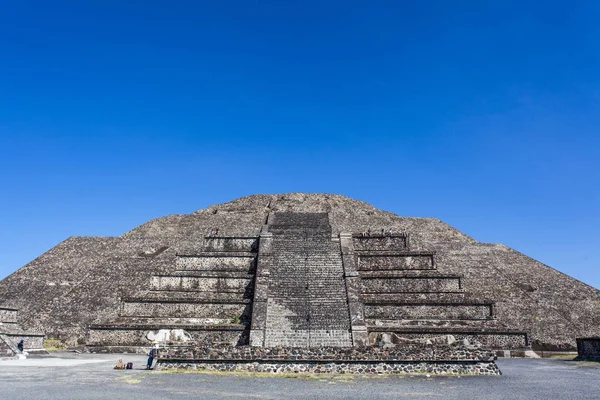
<point x="297" y="298"/>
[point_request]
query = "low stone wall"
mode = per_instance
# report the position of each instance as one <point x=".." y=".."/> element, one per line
<point x="588" y="349"/>
<point x="30" y="342"/>
<point x="357" y="360"/>
<point x="412" y="352"/>
<point x="382" y="368"/>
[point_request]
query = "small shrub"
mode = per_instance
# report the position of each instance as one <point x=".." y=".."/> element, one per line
<point x="53" y="345"/>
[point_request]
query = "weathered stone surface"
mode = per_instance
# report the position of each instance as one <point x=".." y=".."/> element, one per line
<point x="588" y="349"/>
<point x="11" y="333"/>
<point x="408" y="359"/>
<point x="81" y="280"/>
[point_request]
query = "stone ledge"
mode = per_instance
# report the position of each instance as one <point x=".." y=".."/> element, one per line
<point x="185" y="300"/>
<point x="220" y="254"/>
<point x="207" y="273"/>
<point x="379" y="236"/>
<point x="394" y="252"/>
<point x="372" y="302"/>
<point x="408" y="274"/>
<point x="190" y="327"/>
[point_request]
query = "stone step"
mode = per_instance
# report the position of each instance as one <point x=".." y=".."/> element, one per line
<point x="489" y="339"/>
<point x="202" y="283"/>
<point x="166" y="295"/>
<point x="230" y="244"/>
<point x="403" y="298"/>
<point x="410" y="284"/>
<point x="199" y="308"/>
<point x="216" y="262"/>
<point x="307" y="295"/>
<point x="394" y="242"/>
<point x="431" y="323"/>
<point x="186" y="300"/>
<point x="377" y="261"/>
<point x="209" y="274"/>
<point x="170" y="323"/>
<point x="112" y="338"/>
<point x="432" y="310"/>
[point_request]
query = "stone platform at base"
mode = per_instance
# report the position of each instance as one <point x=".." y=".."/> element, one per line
<point x="409" y="359"/>
<point x="588" y="349"/>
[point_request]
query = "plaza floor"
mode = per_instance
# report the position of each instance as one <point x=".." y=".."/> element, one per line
<point x="71" y="376"/>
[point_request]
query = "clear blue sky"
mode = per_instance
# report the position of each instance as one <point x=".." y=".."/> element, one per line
<point x="485" y="114"/>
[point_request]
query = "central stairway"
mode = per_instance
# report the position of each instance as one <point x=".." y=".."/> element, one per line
<point x="307" y="303"/>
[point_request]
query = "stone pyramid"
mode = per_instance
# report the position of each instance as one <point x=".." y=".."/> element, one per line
<point x="297" y="270"/>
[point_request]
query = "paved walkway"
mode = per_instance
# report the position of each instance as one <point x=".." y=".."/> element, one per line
<point x="92" y="377"/>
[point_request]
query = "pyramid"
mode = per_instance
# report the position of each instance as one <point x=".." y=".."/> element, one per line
<point x="298" y="270"/>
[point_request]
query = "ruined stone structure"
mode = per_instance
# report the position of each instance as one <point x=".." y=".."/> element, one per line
<point x="11" y="333"/>
<point x="588" y="349"/>
<point x="297" y="270"/>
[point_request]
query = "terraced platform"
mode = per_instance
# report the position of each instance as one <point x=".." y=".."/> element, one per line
<point x="299" y="286"/>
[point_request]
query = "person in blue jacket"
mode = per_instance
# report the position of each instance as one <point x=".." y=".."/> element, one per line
<point x="152" y="353"/>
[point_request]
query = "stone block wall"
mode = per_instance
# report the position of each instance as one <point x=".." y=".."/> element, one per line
<point x="215" y="263"/>
<point x="336" y="360"/>
<point x="588" y="349"/>
<point x="137" y="337"/>
<point x="231" y="244"/>
<point x="428" y="311"/>
<point x="202" y="283"/>
<point x="240" y="310"/>
<point x="31" y="342"/>
<point x="8" y="315"/>
<point x="491" y="340"/>
<point x="380" y="243"/>
<point x="382" y="262"/>
<point x="412" y="284"/>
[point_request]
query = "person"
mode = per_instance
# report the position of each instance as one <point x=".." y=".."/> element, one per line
<point x="217" y="232"/>
<point x="20" y="345"/>
<point x="151" y="356"/>
<point x="119" y="364"/>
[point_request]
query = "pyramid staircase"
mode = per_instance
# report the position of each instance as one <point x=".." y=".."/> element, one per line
<point x="306" y="304"/>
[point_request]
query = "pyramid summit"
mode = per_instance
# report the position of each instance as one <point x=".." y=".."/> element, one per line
<point x="301" y="270"/>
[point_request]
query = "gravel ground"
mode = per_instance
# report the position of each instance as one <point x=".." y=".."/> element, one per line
<point x="68" y="376"/>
